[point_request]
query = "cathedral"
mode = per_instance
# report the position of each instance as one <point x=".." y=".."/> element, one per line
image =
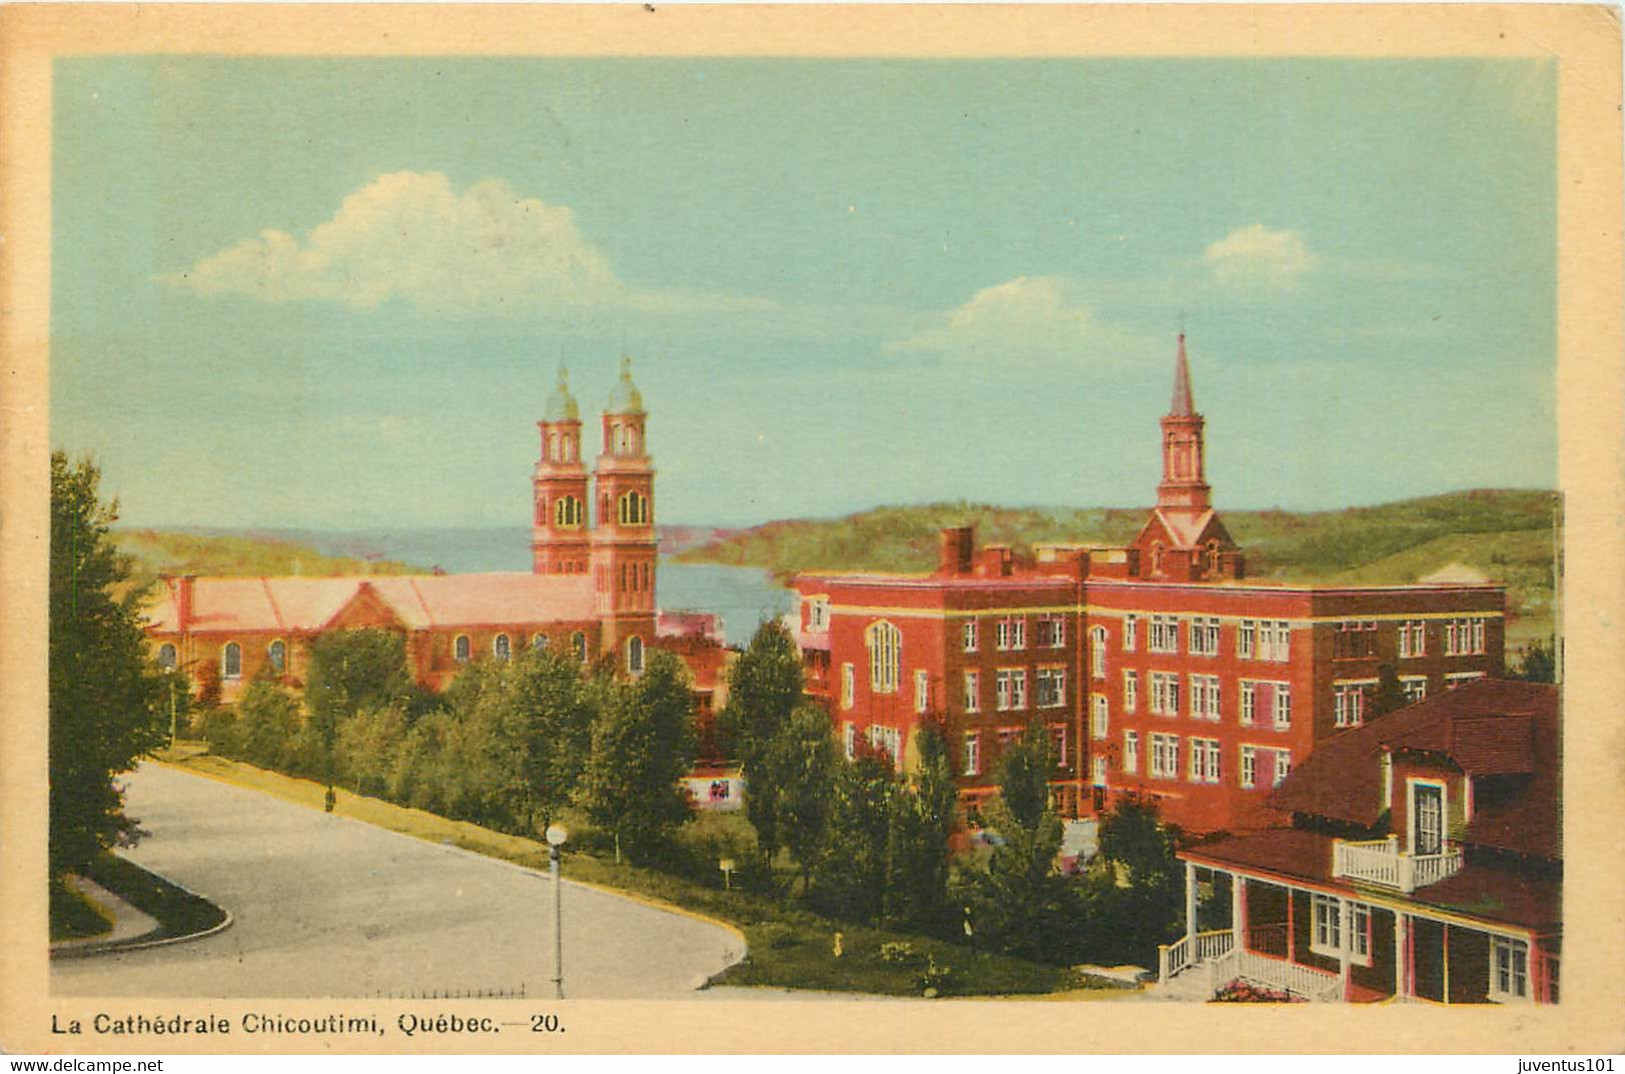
<point x="591" y="588"/>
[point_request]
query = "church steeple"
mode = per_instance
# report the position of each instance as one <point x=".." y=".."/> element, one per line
<point x="1184" y="465"/>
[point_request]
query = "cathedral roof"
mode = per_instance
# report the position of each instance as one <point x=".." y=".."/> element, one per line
<point x="625" y="398"/>
<point x="561" y="405"/>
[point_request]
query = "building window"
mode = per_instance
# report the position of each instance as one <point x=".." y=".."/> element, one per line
<point x="634" y="655"/>
<point x="1097" y="652"/>
<point x="1101" y="718"/>
<point x="973" y="691"/>
<point x="1051" y="632"/>
<point x="818" y="614"/>
<point x="231" y="661"/>
<point x="1057" y="737"/>
<point x="1249" y="701"/>
<point x="1427" y="819"/>
<point x="922" y="691"/>
<point x="1412" y="638"/>
<point x="502" y="647"/>
<point x="1204" y="760"/>
<point x="538" y="642"/>
<point x="1348" y="702"/>
<point x="461" y="649"/>
<point x="1246" y="638"/>
<point x="1464" y="637"/>
<point x="1131" y="690"/>
<point x="1354" y="639"/>
<point x="1275" y="641"/>
<point x="1164" y="756"/>
<point x="166" y="656"/>
<point x="1131" y="631"/>
<point x="578" y="645"/>
<point x="849" y="739"/>
<point x="1509" y="969"/>
<point x="889" y="739"/>
<point x="1164" y="693"/>
<point x="973" y="753"/>
<point x="1456" y="678"/>
<point x="1010" y="689"/>
<point x="848" y="685"/>
<point x="1097" y="771"/>
<point x="1205" y="697"/>
<point x="1328" y="934"/>
<point x="567" y="511"/>
<point x="968" y="635"/>
<point x="1051" y="688"/>
<point x="1283" y="706"/>
<point x="1131" y="751"/>
<point x="1012" y="633"/>
<point x="1164" y="634"/>
<point x="1415" y="687"/>
<point x="1249" y="766"/>
<point x="1283" y="766"/>
<point x="633" y="509"/>
<point x="885" y="644"/>
<point x="1359" y="926"/>
<point x="1204" y="635"/>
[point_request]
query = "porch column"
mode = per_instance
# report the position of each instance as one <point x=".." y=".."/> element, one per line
<point x="1190" y="907"/>
<point x="1238" y="911"/>
<point x="1345" y="939"/>
<point x="1402" y="924"/>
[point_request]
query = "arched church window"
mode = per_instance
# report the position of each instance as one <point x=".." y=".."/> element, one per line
<point x="634" y="655"/>
<point x="166" y="656"/>
<point x="578" y="645"/>
<point x="633" y="509"/>
<point x="461" y="649"/>
<point x="231" y="661"/>
<point x="539" y="642"/>
<point x="277" y="654"/>
<point x="501" y="647"/>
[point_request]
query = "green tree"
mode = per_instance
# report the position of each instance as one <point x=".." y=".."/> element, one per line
<point x="851" y="881"/>
<point x="918" y="854"/>
<point x="369" y="744"/>
<point x="1537" y="662"/>
<point x="802" y="763"/>
<point x="1389" y="694"/>
<point x="643" y="744"/>
<point x="765" y="685"/>
<point x="558" y="709"/>
<point x="268" y="726"/>
<point x="1138" y="894"/>
<point x="107" y="703"/>
<point x="350" y="670"/>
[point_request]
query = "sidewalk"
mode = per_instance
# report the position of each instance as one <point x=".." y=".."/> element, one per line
<point x="129" y="924"/>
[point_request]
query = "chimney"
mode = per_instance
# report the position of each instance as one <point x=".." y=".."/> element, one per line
<point x="183" y="602"/>
<point x="997" y="561"/>
<point x="957" y="545"/>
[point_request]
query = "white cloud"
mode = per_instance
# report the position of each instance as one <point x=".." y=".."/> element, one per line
<point x="1029" y="316"/>
<point x="411" y="236"/>
<point x="1258" y="259"/>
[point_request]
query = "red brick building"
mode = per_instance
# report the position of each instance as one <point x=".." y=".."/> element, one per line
<point x="1425" y="862"/>
<point x="591" y="587"/>
<point x="1161" y="670"/>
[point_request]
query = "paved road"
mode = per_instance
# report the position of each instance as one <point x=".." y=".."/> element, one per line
<point x="326" y="906"/>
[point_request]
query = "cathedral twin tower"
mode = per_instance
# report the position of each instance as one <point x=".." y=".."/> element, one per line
<point x="619" y="545"/>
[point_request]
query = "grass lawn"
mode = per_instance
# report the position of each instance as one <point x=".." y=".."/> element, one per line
<point x="179" y="912"/>
<point x="74" y="917"/>
<point x="789" y="948"/>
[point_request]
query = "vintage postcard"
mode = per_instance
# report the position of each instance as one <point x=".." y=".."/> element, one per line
<point x="636" y="528"/>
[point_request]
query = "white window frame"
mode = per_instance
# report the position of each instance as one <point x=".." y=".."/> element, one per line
<point x="1456" y="678"/>
<point x="968" y="635"/>
<point x="1018" y="632"/>
<point x="1055" y="626"/>
<point x="1205" y="701"/>
<point x="1131" y="751"/>
<point x="1055" y="678"/>
<point x="1249" y="766"/>
<point x="1514" y="951"/>
<point x="1412" y="639"/>
<point x="226" y="652"/>
<point x="1203" y="632"/>
<point x="1097" y="652"/>
<point x="462" y="649"/>
<point x="1165" y="693"/>
<point x="1018" y="686"/>
<point x="922" y="691"/>
<point x="1099" y="716"/>
<point x="1349" y="697"/>
<point x="889" y="739"/>
<point x="1246" y="639"/>
<point x="849" y="739"/>
<point x="277" y="663"/>
<point x="818" y="614"/>
<point x="1097" y="771"/>
<point x="1283" y="766"/>
<point x="1248" y="712"/>
<point x="848" y="685"/>
<point x="634" y="655"/>
<point x="1415" y="687"/>
<point x="973" y="691"/>
<point x="1131" y="690"/>
<point x="1281" y="706"/>
<point x="502" y="647"/>
<point x="1164" y="756"/>
<point x="973" y="753"/>
<point x="885" y="644"/>
<point x="1413" y="816"/>
<point x="1131" y="630"/>
<point x="1164" y="634"/>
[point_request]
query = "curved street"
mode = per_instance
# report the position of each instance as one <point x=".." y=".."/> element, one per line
<point x="330" y="907"/>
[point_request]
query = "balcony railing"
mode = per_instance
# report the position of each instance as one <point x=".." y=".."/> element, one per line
<point x="1380" y="861"/>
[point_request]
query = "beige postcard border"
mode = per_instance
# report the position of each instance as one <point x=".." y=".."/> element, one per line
<point x="1583" y="39"/>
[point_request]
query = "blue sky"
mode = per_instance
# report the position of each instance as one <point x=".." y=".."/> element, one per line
<point x="334" y="293"/>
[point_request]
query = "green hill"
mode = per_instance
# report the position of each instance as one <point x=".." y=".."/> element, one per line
<point x="180" y="552"/>
<point x="1505" y="535"/>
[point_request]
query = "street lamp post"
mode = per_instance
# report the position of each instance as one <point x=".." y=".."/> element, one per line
<point x="557" y="834"/>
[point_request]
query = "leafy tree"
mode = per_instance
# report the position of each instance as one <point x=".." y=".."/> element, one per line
<point x="643" y="744"/>
<point x="764" y="687"/>
<point x="851" y="881"/>
<point x="268" y="726"/>
<point x="350" y="670"/>
<point x="918" y="854"/>
<point x="1537" y="662"/>
<point x="1389" y="694"/>
<point x="558" y="709"/>
<point x="1020" y="903"/>
<point x="1139" y="889"/>
<point x="107" y="704"/>
<point x="803" y="766"/>
<point x="368" y="745"/>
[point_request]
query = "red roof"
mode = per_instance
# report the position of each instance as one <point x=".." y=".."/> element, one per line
<point x="1488" y="727"/>
<point x="309" y="605"/>
<point x="1477" y="891"/>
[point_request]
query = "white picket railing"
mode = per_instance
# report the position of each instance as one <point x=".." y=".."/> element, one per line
<point x="1293" y="977"/>
<point x="1380" y="861"/>
<point x="1181" y="955"/>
